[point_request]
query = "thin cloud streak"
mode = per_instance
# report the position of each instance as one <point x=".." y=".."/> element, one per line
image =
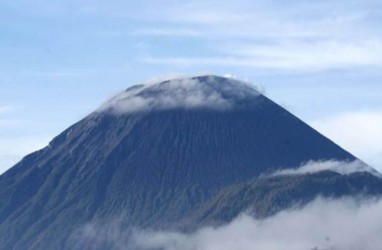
<point x="6" y="119"/>
<point x="6" y="109"/>
<point x="334" y="37"/>
<point x="300" y="57"/>
<point x="299" y="36"/>
<point x="343" y="168"/>
<point x="179" y="32"/>
<point x="359" y="132"/>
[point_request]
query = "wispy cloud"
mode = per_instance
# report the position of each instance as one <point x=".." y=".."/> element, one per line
<point x="360" y="132"/>
<point x="6" y="119"/>
<point x="310" y="37"/>
<point x="7" y="109"/>
<point x="310" y="56"/>
<point x="265" y="19"/>
<point x="9" y="122"/>
<point x="299" y="56"/>
<point x="299" y="35"/>
<point x="339" y="167"/>
<point x="167" y="32"/>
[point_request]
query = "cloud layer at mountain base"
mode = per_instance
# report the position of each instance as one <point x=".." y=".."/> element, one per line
<point x="343" y="224"/>
<point x="323" y="225"/>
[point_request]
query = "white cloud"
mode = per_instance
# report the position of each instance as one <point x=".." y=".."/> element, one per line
<point x="265" y="20"/>
<point x="290" y="55"/>
<point x="322" y="225"/>
<point x="180" y="93"/>
<point x="305" y="56"/>
<point x="359" y="132"/>
<point x="342" y="224"/>
<point x="339" y="167"/>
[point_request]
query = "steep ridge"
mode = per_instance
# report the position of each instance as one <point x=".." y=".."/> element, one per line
<point x="158" y="154"/>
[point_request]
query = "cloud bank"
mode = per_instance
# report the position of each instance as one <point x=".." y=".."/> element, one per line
<point x="345" y="224"/>
<point x="339" y="167"/>
<point x="209" y="92"/>
<point x="322" y="225"/>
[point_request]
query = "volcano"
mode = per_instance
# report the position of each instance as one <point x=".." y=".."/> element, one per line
<point x="181" y="154"/>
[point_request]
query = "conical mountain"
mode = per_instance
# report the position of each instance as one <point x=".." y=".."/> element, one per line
<point x="160" y="155"/>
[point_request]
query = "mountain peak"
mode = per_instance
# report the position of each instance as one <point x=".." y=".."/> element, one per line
<point x="208" y="91"/>
<point x="174" y="169"/>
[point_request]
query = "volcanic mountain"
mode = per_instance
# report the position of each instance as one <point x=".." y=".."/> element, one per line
<point x="177" y="154"/>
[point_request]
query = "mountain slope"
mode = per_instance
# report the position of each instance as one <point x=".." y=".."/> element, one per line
<point x="267" y="196"/>
<point x="155" y="154"/>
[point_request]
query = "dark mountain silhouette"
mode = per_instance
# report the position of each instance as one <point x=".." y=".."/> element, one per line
<point x="181" y="153"/>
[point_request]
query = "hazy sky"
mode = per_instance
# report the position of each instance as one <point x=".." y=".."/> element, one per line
<point x="59" y="60"/>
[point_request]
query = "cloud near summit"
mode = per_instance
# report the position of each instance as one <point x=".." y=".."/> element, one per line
<point x="189" y="93"/>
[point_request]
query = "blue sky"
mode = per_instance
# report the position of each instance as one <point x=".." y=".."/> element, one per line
<point x="59" y="60"/>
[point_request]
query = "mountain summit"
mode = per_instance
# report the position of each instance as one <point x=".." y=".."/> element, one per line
<point x="209" y="92"/>
<point x="174" y="154"/>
